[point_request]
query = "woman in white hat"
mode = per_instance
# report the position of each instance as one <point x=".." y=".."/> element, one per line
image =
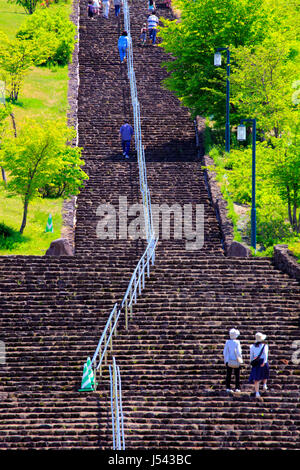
<point x="233" y="358"/>
<point x="259" y="352"/>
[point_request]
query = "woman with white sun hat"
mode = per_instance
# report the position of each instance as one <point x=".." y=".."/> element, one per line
<point x="233" y="359"/>
<point x="259" y="352"/>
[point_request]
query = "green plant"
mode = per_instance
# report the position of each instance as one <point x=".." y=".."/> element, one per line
<point x="9" y="238"/>
<point x="28" y="5"/>
<point x="53" y="34"/>
<point x="37" y="156"/>
<point x="16" y="58"/>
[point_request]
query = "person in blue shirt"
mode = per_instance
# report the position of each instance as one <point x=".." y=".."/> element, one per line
<point x="126" y="132"/>
<point x="122" y="46"/>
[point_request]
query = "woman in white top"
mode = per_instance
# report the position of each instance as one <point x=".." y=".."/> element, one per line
<point x="259" y="351"/>
<point x="105" y="6"/>
<point x="233" y="358"/>
<point x="96" y="6"/>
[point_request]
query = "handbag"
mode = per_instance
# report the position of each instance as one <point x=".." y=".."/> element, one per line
<point x="255" y="361"/>
<point x="237" y="363"/>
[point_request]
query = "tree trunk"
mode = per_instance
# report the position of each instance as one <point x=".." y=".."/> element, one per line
<point x="25" y="211"/>
<point x="289" y="205"/>
<point x="14" y="123"/>
<point x="295" y="208"/>
<point x="3" y="176"/>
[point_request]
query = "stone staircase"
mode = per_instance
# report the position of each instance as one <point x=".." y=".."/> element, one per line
<point x="53" y="310"/>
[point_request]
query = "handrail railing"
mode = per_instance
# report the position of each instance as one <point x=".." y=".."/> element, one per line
<point x="137" y="281"/>
<point x="137" y="128"/>
<point x="135" y="286"/>
<point x="117" y="417"/>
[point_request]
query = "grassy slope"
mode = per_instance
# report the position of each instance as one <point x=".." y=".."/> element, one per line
<point x="44" y="95"/>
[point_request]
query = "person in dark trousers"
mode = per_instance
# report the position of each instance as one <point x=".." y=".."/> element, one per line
<point x="117" y="5"/>
<point x="232" y="358"/>
<point x="126" y="132"/>
<point x="259" y="352"/>
<point x="143" y="35"/>
<point x="90" y="9"/>
<point x="153" y="22"/>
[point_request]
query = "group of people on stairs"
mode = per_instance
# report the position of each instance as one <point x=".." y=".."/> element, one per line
<point x="259" y="352"/>
<point x="94" y="8"/>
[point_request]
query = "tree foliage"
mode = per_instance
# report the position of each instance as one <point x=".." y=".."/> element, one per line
<point x="28" y="5"/>
<point x="203" y="27"/>
<point x="263" y="39"/>
<point x="53" y="34"/>
<point x="16" y="58"/>
<point x="40" y="156"/>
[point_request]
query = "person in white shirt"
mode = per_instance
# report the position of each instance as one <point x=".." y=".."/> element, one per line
<point x="105" y="4"/>
<point x="259" y="351"/>
<point x="153" y="22"/>
<point x="232" y="359"/>
<point x="96" y="6"/>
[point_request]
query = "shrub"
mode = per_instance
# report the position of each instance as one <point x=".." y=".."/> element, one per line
<point x="53" y="33"/>
<point x="9" y="237"/>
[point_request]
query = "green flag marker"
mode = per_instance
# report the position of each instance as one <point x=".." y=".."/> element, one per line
<point x="49" y="226"/>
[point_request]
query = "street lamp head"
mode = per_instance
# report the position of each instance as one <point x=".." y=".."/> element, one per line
<point x="217" y="59"/>
<point x="241" y="132"/>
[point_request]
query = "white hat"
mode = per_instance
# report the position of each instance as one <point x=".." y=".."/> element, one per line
<point x="233" y="333"/>
<point x="259" y="337"/>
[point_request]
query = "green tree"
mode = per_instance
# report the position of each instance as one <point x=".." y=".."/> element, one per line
<point x="53" y="34"/>
<point x="4" y="113"/>
<point x="192" y="41"/>
<point x="16" y="58"/>
<point x="28" y="5"/>
<point x="262" y="83"/>
<point x="285" y="172"/>
<point x="36" y="156"/>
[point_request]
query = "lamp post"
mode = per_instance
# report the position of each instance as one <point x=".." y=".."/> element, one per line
<point x="218" y="63"/>
<point x="241" y="135"/>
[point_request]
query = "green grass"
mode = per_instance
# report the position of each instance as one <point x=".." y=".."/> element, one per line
<point x="295" y="249"/>
<point x="35" y="240"/>
<point x="11" y="18"/>
<point x="43" y="96"/>
<point x="44" y="91"/>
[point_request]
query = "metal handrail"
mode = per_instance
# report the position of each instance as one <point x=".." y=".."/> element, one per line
<point x="137" y="281"/>
<point x="137" y="128"/>
<point x="116" y="407"/>
<point x="135" y="286"/>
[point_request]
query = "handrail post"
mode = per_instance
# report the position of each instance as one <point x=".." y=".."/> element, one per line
<point x="126" y="314"/>
<point x="112" y="408"/>
<point x="115" y="317"/>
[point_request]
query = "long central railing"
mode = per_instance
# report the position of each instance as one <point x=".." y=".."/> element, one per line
<point x="135" y="286"/>
<point x="93" y="368"/>
<point x="137" y="281"/>
<point x="137" y="128"/>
